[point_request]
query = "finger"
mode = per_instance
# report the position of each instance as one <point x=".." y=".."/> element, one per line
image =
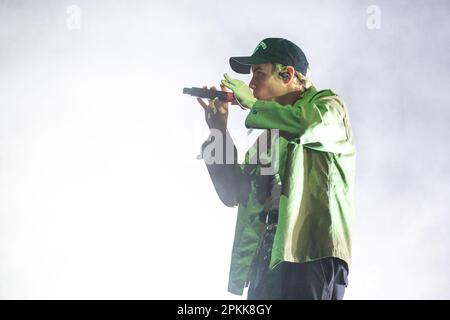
<point x="228" y="79"/>
<point x="212" y="89"/>
<point x="220" y="105"/>
<point x="227" y="84"/>
<point x="223" y="88"/>
<point x="214" y="103"/>
<point x="231" y="80"/>
<point x="202" y="103"/>
<point x="211" y="103"/>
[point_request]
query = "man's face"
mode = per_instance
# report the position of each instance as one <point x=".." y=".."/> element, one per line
<point x="265" y="84"/>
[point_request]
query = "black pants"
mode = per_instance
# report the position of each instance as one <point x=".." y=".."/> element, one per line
<point x="324" y="279"/>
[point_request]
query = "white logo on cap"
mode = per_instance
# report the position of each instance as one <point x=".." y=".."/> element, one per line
<point x="260" y="45"/>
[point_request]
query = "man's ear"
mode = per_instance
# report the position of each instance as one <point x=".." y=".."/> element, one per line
<point x="287" y="74"/>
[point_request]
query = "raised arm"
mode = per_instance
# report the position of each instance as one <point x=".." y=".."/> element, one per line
<point x="321" y="122"/>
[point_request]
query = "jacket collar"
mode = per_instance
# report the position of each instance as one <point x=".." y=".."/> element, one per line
<point x="308" y="95"/>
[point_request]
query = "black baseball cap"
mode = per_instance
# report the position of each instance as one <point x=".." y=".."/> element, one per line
<point x="272" y="50"/>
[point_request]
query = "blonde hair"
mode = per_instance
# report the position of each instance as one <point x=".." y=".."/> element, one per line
<point x="303" y="80"/>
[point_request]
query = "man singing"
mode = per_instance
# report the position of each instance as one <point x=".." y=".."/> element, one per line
<point x="293" y="229"/>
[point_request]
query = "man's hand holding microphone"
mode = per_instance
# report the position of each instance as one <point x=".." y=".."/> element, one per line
<point x="216" y="110"/>
<point x="241" y="91"/>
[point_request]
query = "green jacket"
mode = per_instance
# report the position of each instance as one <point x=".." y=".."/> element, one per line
<point x="316" y="161"/>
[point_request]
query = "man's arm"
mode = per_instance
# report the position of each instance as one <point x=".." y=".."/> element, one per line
<point x="231" y="184"/>
<point x="323" y="121"/>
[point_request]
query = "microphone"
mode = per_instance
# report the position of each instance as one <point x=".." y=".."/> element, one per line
<point x="209" y="94"/>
